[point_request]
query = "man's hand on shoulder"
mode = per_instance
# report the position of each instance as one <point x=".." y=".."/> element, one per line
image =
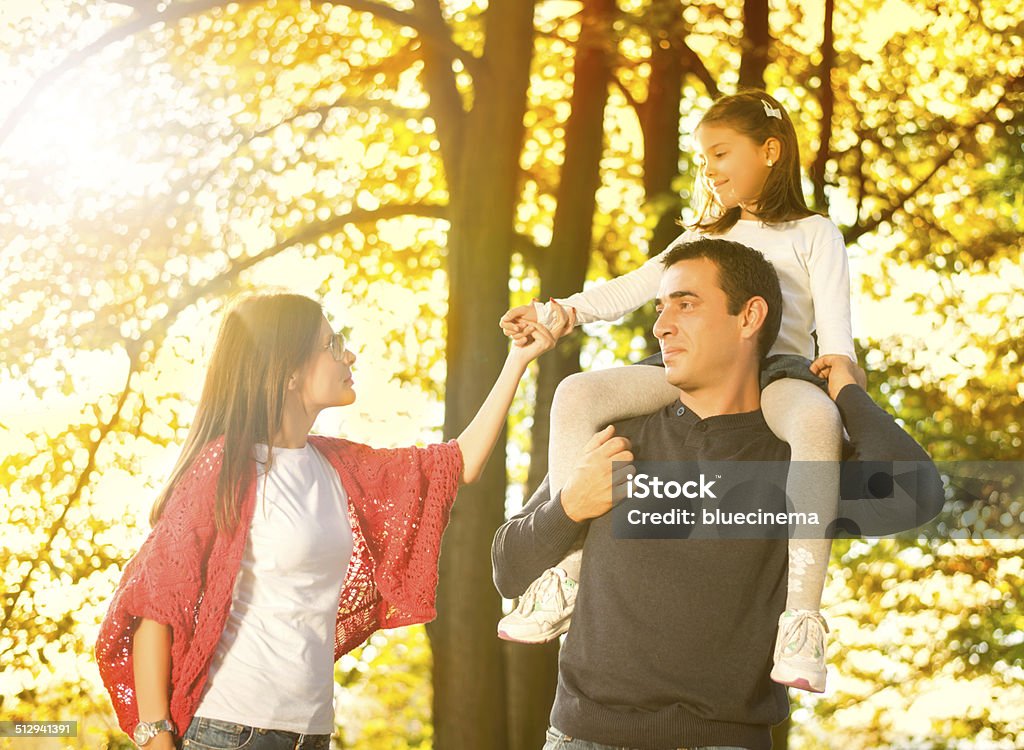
<point x="840" y="371"/>
<point x="592" y="486"/>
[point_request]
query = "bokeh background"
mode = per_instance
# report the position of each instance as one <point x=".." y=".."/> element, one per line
<point x="420" y="165"/>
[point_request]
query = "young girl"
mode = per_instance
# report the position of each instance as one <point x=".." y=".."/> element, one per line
<point x="750" y="174"/>
<point x="274" y="552"/>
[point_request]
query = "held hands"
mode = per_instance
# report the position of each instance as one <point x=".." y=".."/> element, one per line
<point x="477" y="441"/>
<point x="840" y="371"/>
<point x="593" y="486"/>
<point x="514" y="322"/>
<point x="534" y="339"/>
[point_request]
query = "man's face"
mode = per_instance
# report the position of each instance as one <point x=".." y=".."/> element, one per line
<point x="700" y="340"/>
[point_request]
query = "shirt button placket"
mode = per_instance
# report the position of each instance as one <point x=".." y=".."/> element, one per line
<point x="697" y="435"/>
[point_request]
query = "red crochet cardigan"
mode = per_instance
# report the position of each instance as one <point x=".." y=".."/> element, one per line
<point x="184" y="574"/>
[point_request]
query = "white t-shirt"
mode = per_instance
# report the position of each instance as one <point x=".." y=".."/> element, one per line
<point x="274" y="663"/>
<point x="810" y="258"/>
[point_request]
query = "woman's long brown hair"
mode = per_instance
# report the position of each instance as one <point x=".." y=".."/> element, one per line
<point x="263" y="340"/>
<point x="782" y="198"/>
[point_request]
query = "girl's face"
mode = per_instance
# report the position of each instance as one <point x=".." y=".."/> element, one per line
<point x="734" y="166"/>
<point x="326" y="381"/>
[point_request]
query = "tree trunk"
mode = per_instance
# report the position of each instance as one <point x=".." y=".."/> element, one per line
<point x="756" y="44"/>
<point x="533" y="670"/>
<point x="660" y="125"/>
<point x="564" y="265"/>
<point x="468" y="678"/>
<point x="826" y="97"/>
<point x="532" y="674"/>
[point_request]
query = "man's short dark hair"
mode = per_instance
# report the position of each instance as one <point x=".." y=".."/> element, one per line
<point x="742" y="273"/>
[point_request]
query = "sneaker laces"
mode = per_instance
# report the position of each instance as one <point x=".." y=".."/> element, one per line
<point x="548" y="586"/>
<point x="803" y="632"/>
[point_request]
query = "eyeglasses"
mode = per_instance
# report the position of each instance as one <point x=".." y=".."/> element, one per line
<point x="337" y="346"/>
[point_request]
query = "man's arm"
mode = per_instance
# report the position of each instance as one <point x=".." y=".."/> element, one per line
<point x="889" y="483"/>
<point x="874" y="434"/>
<point x="532" y="541"/>
<point x="544" y="531"/>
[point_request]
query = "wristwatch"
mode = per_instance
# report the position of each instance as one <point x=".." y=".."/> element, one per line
<point x="147" y="730"/>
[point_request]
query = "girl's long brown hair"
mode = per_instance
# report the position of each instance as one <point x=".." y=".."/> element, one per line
<point x="782" y="198"/>
<point x="263" y="340"/>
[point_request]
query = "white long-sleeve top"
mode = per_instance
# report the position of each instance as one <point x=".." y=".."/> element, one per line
<point x="810" y="258"/>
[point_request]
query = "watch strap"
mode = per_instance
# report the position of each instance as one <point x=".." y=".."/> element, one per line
<point x="147" y="730"/>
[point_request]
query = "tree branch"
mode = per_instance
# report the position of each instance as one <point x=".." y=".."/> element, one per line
<point x="637" y="106"/>
<point x="83" y="481"/>
<point x="437" y="35"/>
<point x="693" y="64"/>
<point x="187" y="184"/>
<point x="223" y="281"/>
<point x="852" y="234"/>
<point x="176" y="11"/>
<point x="532" y="252"/>
<point x="134" y="25"/>
<point x="446" y="104"/>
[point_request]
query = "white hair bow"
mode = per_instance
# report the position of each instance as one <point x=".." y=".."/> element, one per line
<point x="771" y="111"/>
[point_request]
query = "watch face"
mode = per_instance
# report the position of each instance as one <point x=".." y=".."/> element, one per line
<point x="147" y="730"/>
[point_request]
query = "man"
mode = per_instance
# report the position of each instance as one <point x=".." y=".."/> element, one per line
<point x="671" y="640"/>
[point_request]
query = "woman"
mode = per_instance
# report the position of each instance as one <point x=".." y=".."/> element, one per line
<point x="274" y="552"/>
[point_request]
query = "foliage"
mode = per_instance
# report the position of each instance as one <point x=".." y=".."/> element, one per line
<point x="289" y="143"/>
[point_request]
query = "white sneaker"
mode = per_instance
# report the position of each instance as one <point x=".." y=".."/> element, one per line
<point x="800" y="650"/>
<point x="544" y="610"/>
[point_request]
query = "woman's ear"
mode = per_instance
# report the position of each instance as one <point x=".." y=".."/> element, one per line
<point x="772" y="150"/>
<point x="293" y="381"/>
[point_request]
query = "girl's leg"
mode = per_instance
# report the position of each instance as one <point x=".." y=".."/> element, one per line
<point x="804" y="416"/>
<point x="586" y="402"/>
<point x="583" y="404"/>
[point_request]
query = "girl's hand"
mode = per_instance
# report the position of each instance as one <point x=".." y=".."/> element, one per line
<point x="840" y="371"/>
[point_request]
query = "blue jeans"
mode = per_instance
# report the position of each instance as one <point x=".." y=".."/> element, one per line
<point x="214" y="734"/>
<point x="558" y="740"/>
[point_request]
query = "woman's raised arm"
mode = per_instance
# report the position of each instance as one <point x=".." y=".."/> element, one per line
<point x="478" y="439"/>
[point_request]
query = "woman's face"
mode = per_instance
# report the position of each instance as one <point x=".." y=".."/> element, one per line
<point x="326" y="381"/>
